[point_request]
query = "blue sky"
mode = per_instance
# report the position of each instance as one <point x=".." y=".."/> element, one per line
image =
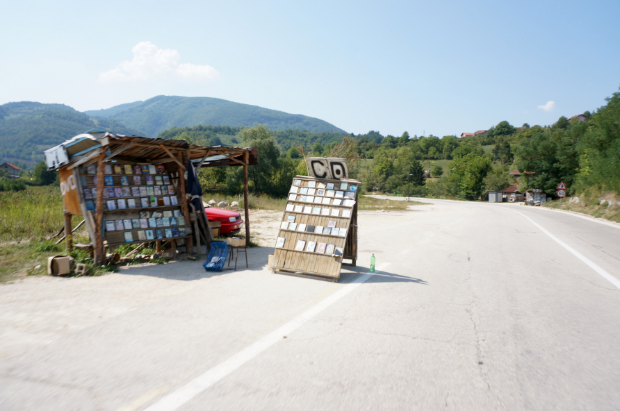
<point x="441" y="67"/>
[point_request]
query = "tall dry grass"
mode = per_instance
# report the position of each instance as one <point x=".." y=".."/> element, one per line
<point x="31" y="214"/>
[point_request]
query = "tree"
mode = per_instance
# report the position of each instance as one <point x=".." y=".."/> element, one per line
<point x="261" y="175"/>
<point x="449" y="143"/>
<point x="293" y="152"/>
<point x="498" y="179"/>
<point x="503" y="153"/>
<point x="417" y="173"/>
<point x="404" y="139"/>
<point x="467" y="174"/>
<point x="562" y="123"/>
<point x="437" y="171"/>
<point x="389" y="141"/>
<point x="41" y="176"/>
<point x="317" y="150"/>
<point x="504" y="129"/>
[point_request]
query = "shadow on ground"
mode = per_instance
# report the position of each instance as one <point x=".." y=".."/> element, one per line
<point x="257" y="262"/>
<point x="349" y="274"/>
<point x="193" y="270"/>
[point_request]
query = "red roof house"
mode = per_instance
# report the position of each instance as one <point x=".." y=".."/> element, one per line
<point x="480" y="132"/>
<point x="10" y="169"/>
<point x="463" y="135"/>
<point x="578" y="117"/>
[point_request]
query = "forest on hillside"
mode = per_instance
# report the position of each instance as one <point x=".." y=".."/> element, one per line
<point x="584" y="154"/>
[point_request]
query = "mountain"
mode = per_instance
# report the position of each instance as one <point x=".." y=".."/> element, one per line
<point x="28" y="128"/>
<point x="161" y="113"/>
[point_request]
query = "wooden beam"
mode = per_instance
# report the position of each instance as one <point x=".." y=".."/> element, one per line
<point x="69" y="234"/>
<point x="238" y="161"/>
<point x="99" y="251"/>
<point x="218" y="164"/>
<point x="85" y="213"/>
<point x="245" y="198"/>
<point x="184" y="209"/>
<point x="201" y="160"/>
<point x="85" y="159"/>
<point x="172" y="156"/>
<point x="119" y="150"/>
<point x="162" y="161"/>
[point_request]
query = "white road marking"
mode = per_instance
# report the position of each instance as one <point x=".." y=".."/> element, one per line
<point x="577" y="254"/>
<point x="182" y="395"/>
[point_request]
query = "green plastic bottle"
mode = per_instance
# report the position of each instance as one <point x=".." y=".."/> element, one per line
<point x="372" y="264"/>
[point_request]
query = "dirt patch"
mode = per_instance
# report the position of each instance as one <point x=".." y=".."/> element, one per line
<point x="264" y="226"/>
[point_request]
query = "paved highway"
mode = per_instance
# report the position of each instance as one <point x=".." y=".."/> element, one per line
<point x="474" y="307"/>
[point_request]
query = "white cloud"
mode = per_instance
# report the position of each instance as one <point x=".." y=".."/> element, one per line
<point x="150" y="62"/>
<point x="548" y="107"/>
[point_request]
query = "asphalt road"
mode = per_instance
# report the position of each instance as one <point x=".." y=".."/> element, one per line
<point x="474" y="307"/>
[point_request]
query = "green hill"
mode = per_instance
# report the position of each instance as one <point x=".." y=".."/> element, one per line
<point x="28" y="128"/>
<point x="161" y="113"/>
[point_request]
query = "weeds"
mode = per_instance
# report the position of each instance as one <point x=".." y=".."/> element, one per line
<point x="32" y="213"/>
<point x="370" y="203"/>
<point x="594" y="203"/>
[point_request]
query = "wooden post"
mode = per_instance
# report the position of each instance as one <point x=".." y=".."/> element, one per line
<point x="68" y="234"/>
<point x="99" y="251"/>
<point x="189" y="243"/>
<point x="158" y="246"/>
<point x="246" y="160"/>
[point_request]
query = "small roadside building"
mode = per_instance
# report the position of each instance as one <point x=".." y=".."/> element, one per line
<point x="511" y="194"/>
<point x="12" y="171"/>
<point x="495" y="196"/>
<point x="140" y="190"/>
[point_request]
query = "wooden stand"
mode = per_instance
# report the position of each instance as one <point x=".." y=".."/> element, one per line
<point x="92" y="163"/>
<point x="314" y="264"/>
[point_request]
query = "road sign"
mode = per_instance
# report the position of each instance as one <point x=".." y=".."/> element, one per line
<point x="562" y="186"/>
<point x="561" y="193"/>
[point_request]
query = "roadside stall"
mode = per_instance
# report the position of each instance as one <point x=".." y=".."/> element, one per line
<point x="319" y="225"/>
<point x="134" y="189"/>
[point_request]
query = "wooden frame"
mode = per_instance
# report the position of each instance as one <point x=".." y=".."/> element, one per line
<point x="173" y="155"/>
<point x="312" y="264"/>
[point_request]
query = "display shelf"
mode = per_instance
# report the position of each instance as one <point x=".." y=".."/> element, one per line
<point x="146" y="241"/>
<point x="309" y="252"/>
<point x="142" y="209"/>
<point x="320" y="204"/>
<point x="312" y="233"/>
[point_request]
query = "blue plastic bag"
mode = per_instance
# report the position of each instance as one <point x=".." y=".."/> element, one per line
<point x="217" y="257"/>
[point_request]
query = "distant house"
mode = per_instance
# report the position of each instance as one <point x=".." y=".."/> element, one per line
<point x="463" y="135"/>
<point x="578" y="117"/>
<point x="480" y="132"/>
<point x="11" y="170"/>
<point x="516" y="175"/>
<point x="512" y="194"/>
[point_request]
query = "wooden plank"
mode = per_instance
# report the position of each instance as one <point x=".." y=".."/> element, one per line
<point x="119" y="150"/>
<point x="184" y="207"/>
<point x="85" y="212"/>
<point x="288" y="258"/>
<point x="201" y="160"/>
<point x="245" y="198"/>
<point x="89" y="157"/>
<point x="173" y="157"/>
<point x="98" y="240"/>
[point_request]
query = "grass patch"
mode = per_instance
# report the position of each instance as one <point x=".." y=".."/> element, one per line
<point x="26" y="258"/>
<point x="370" y="203"/>
<point x="34" y="213"/>
<point x="590" y="203"/>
